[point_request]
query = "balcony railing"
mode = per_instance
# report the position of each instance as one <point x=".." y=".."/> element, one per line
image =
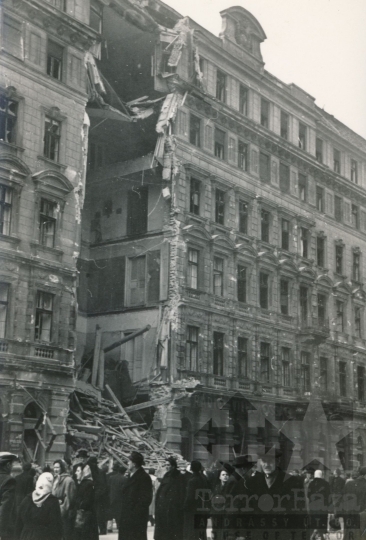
<point x="314" y="329"/>
<point x="11" y="348"/>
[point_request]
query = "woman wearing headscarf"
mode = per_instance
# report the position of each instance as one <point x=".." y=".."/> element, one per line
<point x="39" y="516"/>
<point x="85" y="521"/>
<point x="168" y="504"/>
<point x="64" y="490"/>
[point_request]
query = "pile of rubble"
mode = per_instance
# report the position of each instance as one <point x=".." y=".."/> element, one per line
<point x="104" y="428"/>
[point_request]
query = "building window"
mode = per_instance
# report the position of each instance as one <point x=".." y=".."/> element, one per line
<point x="219" y="206"/>
<point x="284" y="178"/>
<point x="304" y="242"/>
<point x="339" y="259"/>
<point x="264" y="113"/>
<point x="284" y="125"/>
<point x="44" y="315"/>
<point x="356" y="274"/>
<point x="96" y="154"/>
<point x="302" y="187"/>
<point x="194" y="197"/>
<point x="242" y="283"/>
<point x="336" y="160"/>
<point x="218" y="276"/>
<point x="323" y="365"/>
<point x="58" y="4"/>
<point x="302" y="136"/>
<point x="218" y="344"/>
<point x="96" y="16"/>
<point x="285" y="234"/>
<point x="220" y="86"/>
<point x="320" y="198"/>
<point x="219" y="143"/>
<point x="242" y="357"/>
<point x="355" y="217"/>
<point x="339" y="316"/>
<point x="320" y="251"/>
<point x="55" y="53"/>
<point x="145" y="279"/>
<point x="195" y="130"/>
<point x="305" y="371"/>
<point x="263" y="290"/>
<point x="6" y="196"/>
<point x="265" y="224"/>
<point x="12" y="36"/>
<point x="8" y="119"/>
<point x="242" y="156"/>
<point x="284" y="296"/>
<point x="192" y="348"/>
<point x="52" y="134"/>
<point x="354" y="171"/>
<point x="358" y="325"/>
<point x="192" y="274"/>
<point x="322" y="308"/>
<point x="338" y="208"/>
<point x="285" y="354"/>
<point x="243" y="100"/>
<point x="319" y="150"/>
<point x="137" y="209"/>
<point x="264" y="168"/>
<point x="304" y="304"/>
<point x="243" y="217"/>
<point x="342" y="379"/>
<point x="265" y="362"/>
<point x="361" y="383"/>
<point x="4" y="301"/>
<point x="47" y="223"/>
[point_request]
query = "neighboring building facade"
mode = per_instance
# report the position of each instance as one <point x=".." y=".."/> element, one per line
<point x="231" y="217"/>
<point x="43" y="147"/>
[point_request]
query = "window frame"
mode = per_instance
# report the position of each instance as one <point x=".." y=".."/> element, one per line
<point x="190" y="265"/>
<point x="52" y="139"/>
<point x="284" y="125"/>
<point x="358" y="318"/>
<point x="319" y="150"/>
<point x="356" y="266"/>
<point x="6" y="207"/>
<point x="285" y="366"/>
<point x="320" y="251"/>
<point x="220" y="146"/>
<point x="19" y="53"/>
<point x="320" y="199"/>
<point x="266" y="230"/>
<point x="285" y="234"/>
<point x="303" y="186"/>
<point x="242" y="356"/>
<point x="194" y="189"/>
<point x="355" y="216"/>
<point x="338" y="208"/>
<point x="342" y="375"/>
<point x="242" y="283"/>
<point x="340" y="313"/>
<point x="265" y="362"/>
<point x="47" y="219"/>
<point x="284" y="306"/>
<point x="52" y="59"/>
<point x="197" y="122"/>
<point x="218" y="270"/>
<point x="264" y="289"/>
<point x="305" y="365"/>
<point x="339" y="258"/>
<point x="192" y="346"/>
<point x="39" y="312"/>
<point x="304" y="303"/>
<point x="243" y="103"/>
<point x="243" y="215"/>
<point x="6" y="303"/>
<point x="336" y="160"/>
<point x="220" y="204"/>
<point x="221" y="85"/>
<point x="303" y="136"/>
<point x="321" y="308"/>
<point x="354" y="171"/>
<point x="243" y="156"/>
<point x="5" y="118"/>
<point x="218" y="353"/>
<point x="304" y="242"/>
<point x="264" y="108"/>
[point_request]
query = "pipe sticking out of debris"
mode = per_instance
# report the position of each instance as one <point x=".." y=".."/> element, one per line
<point x="127" y="338"/>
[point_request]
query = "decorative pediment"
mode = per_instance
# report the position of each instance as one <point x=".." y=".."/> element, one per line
<point x="324" y="281"/>
<point x="288" y="265"/>
<point x="246" y="249"/>
<point x="342" y="287"/>
<point x="13" y="165"/>
<point x="307" y="272"/>
<point x="197" y="231"/>
<point x="240" y="27"/>
<point x="267" y="257"/>
<point x="221" y="240"/>
<point x="53" y="182"/>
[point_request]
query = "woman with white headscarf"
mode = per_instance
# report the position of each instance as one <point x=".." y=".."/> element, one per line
<point x="39" y="516"/>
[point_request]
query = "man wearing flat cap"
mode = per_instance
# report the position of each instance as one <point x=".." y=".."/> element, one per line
<point x="7" y="496"/>
<point x="136" y="498"/>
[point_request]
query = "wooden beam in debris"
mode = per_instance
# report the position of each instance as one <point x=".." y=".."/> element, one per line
<point x="116" y="400"/>
<point x="146" y="404"/>
<point x="96" y="355"/>
<point x="101" y="370"/>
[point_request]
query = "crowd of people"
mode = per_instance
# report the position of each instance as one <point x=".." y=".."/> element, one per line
<point x="241" y="499"/>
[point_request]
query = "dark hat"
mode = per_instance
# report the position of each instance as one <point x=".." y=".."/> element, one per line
<point x="196" y="466"/>
<point x="227" y="467"/>
<point x="362" y="471"/>
<point x="172" y="461"/>
<point x="137" y="459"/>
<point x="243" y="462"/>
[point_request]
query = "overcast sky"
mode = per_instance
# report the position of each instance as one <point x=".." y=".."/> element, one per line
<point x="320" y="45"/>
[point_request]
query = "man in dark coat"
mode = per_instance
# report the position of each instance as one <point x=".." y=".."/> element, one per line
<point x="136" y="498"/>
<point x="168" y="504"/>
<point x="101" y="493"/>
<point x="24" y="484"/>
<point x="196" y="504"/>
<point x="320" y="500"/>
<point x="7" y="496"/>
<point x="116" y="480"/>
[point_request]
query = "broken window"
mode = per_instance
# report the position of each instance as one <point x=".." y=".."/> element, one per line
<point x="284" y="296"/>
<point x="221" y="86"/>
<point x="243" y="217"/>
<point x="52" y="139"/>
<point x="336" y="160"/>
<point x="218" y="276"/>
<point x="8" y="119"/>
<point x="44" y="315"/>
<point x="137" y="209"/>
<point x="47" y="223"/>
<point x="242" y="356"/>
<point x="302" y="136"/>
<point x="264" y="170"/>
<point x="242" y="156"/>
<point x="192" y="271"/>
<point x="219" y="206"/>
<point x="195" y="130"/>
<point x="263" y="290"/>
<point x="192" y="348"/>
<point x="4" y="301"/>
<point x="305" y="371"/>
<point x="243" y="100"/>
<point x="6" y="195"/>
<point x="319" y="150"/>
<point x="218" y="353"/>
<point x="264" y="113"/>
<point x="242" y="283"/>
<point x="194" y="198"/>
<point x="219" y="143"/>
<point x="145" y="279"/>
<point x="284" y="125"/>
<point x="285" y="366"/>
<point x="264" y="362"/>
<point x="55" y="53"/>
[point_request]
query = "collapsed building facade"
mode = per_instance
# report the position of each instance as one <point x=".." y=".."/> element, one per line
<point x="224" y="215"/>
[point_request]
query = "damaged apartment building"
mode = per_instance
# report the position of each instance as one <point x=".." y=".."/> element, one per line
<point x="226" y="210"/>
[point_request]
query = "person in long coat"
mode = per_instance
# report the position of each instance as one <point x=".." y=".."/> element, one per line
<point x="136" y="498"/>
<point x="195" y="504"/>
<point x="168" y="504"/>
<point x="7" y="496"/>
<point x="101" y="493"/>
<point x="64" y="490"/>
<point x="24" y="484"/>
<point x="319" y="500"/>
<point x="84" y="505"/>
<point x="116" y="480"/>
<point x="39" y="516"/>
